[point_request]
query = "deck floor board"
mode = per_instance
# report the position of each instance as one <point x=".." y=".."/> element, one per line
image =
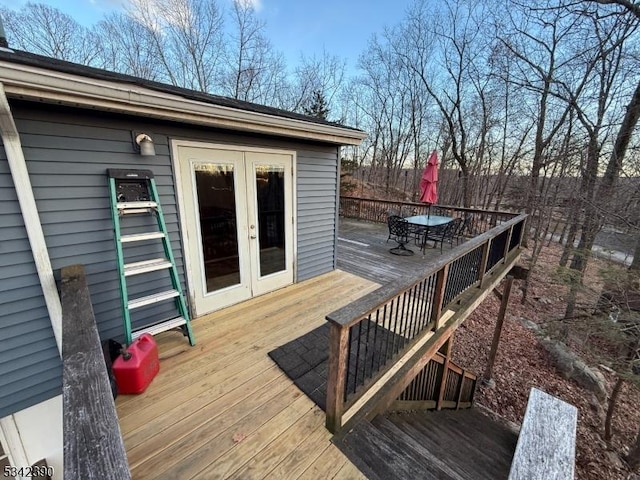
<point x="222" y="409"/>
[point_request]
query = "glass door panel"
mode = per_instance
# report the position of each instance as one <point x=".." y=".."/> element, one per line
<point x="270" y="192"/>
<point x="215" y="185"/>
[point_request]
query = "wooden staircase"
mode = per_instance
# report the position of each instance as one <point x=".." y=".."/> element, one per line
<point x="464" y="444"/>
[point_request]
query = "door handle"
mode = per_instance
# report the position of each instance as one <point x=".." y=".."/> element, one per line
<point x="252" y="236"/>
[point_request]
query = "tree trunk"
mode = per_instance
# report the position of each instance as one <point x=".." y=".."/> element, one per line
<point x="612" y="406"/>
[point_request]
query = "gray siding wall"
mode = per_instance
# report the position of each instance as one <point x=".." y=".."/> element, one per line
<point x="30" y="367"/>
<point x="68" y="152"/>
<point x="316" y="195"/>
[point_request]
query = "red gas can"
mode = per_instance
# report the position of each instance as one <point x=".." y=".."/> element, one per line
<point x="137" y="366"/>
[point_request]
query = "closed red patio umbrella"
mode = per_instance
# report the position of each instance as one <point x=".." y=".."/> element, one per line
<point x="429" y="181"/>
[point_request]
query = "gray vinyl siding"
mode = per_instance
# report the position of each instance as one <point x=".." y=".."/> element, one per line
<point x="317" y="179"/>
<point x="68" y="153"/>
<point x="30" y="367"/>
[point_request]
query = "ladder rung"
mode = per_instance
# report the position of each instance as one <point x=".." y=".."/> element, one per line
<point x="153" y="298"/>
<point x="160" y="327"/>
<point x="139" y="237"/>
<point x="135" y="207"/>
<point x="146" y="266"/>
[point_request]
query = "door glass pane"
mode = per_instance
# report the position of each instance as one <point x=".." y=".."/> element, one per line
<point x="270" y="197"/>
<point x="217" y="209"/>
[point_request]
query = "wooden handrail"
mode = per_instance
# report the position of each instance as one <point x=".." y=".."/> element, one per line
<point x="403" y="315"/>
<point x="547" y="440"/>
<point x="353" y="312"/>
<point x="448" y="207"/>
<point x="93" y="445"/>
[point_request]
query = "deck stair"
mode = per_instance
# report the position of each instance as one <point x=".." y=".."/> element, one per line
<point x="448" y="444"/>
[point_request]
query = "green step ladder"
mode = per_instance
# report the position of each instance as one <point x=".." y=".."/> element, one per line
<point x="134" y="192"/>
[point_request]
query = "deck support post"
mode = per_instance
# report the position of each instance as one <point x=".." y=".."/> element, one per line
<point x="486" y="379"/>
<point x="337" y="375"/>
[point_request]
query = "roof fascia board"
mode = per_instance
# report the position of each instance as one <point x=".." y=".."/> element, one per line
<point x="47" y="85"/>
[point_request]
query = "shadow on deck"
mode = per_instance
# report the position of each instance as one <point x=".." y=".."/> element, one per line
<point x="456" y="445"/>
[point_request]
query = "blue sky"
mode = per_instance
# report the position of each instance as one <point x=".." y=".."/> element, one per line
<point x="341" y="27"/>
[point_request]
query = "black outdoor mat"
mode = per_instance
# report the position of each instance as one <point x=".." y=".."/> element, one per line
<point x="305" y="360"/>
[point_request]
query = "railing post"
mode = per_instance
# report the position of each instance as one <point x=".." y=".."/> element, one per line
<point x="438" y="297"/>
<point x="445" y="373"/>
<point x="337" y="375"/>
<point x="484" y="260"/>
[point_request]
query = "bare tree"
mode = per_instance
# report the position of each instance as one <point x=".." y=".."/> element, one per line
<point x="45" y="30"/>
<point x="253" y="70"/>
<point x="324" y="74"/>
<point x="445" y="49"/>
<point x="128" y="46"/>
<point x="186" y="37"/>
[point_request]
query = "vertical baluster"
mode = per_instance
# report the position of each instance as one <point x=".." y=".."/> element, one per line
<point x="375" y="343"/>
<point x="366" y="351"/>
<point x="358" y="340"/>
<point x="384" y="336"/>
<point x="412" y="323"/>
<point x="404" y="319"/>
<point x="389" y="330"/>
<point x="349" y="363"/>
<point x="394" y="329"/>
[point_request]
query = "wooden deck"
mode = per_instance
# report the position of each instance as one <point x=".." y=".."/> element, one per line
<point x="445" y="445"/>
<point x="364" y="251"/>
<point x="223" y="409"/>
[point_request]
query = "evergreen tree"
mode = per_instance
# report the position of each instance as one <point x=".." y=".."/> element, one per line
<point x="317" y="106"/>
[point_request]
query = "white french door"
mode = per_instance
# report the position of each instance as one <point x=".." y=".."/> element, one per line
<point x="237" y="208"/>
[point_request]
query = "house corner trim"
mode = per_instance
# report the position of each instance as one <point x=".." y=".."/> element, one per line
<point x="28" y="207"/>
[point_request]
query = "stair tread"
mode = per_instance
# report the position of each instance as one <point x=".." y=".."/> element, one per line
<point x="379" y="457"/>
<point x="409" y="441"/>
<point x="483" y="447"/>
<point x="452" y="445"/>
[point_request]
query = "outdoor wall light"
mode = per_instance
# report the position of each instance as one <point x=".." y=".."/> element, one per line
<point x="144" y="144"/>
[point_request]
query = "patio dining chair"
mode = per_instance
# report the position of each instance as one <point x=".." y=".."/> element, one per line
<point x="399" y="232"/>
<point x="442" y="233"/>
<point x="463" y="230"/>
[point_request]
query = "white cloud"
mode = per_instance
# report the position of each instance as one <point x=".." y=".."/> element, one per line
<point x="256" y="4"/>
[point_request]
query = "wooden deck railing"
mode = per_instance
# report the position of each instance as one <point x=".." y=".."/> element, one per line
<point x="93" y="446"/>
<point x="371" y="210"/>
<point x="367" y="337"/>
<point x="546" y="445"/>
<point x="425" y="391"/>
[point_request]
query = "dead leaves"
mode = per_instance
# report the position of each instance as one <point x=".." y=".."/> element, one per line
<point x="521" y="363"/>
